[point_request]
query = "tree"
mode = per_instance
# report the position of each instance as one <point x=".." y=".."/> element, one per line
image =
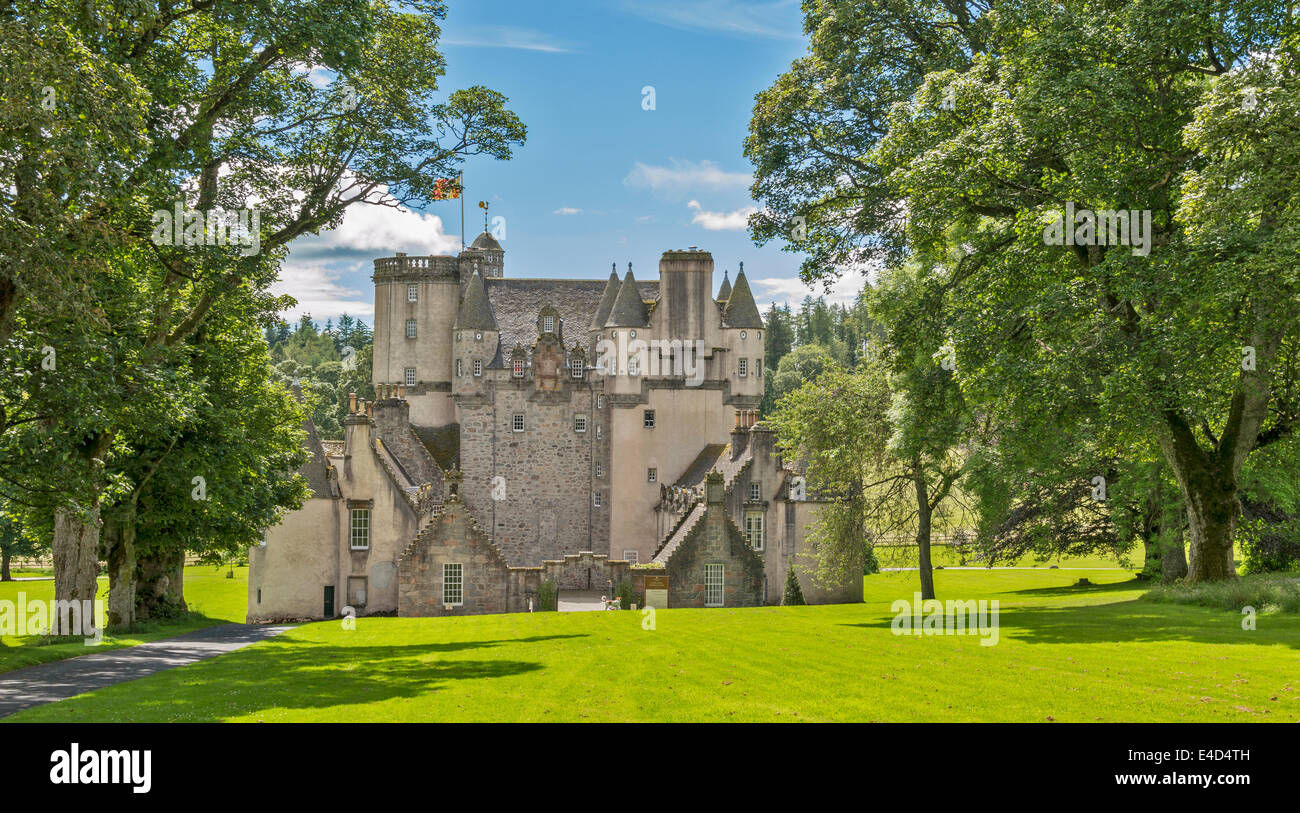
<point x="15" y="541"/>
<point x="911" y="122"/>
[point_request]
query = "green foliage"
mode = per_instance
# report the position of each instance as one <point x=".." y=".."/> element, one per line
<point x="793" y="596"/>
<point x="626" y="596"/>
<point x="1265" y="593"/>
<point x="548" y="596"/>
<point x="870" y="564"/>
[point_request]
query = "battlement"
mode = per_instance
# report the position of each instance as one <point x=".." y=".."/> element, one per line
<point x="402" y="267"/>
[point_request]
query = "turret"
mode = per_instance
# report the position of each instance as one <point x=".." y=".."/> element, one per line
<point x="475" y="338"/>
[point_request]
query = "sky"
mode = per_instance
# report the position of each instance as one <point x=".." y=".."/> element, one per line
<point x="601" y="179"/>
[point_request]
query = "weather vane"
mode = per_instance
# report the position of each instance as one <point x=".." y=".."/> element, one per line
<point x="484" y="206"/>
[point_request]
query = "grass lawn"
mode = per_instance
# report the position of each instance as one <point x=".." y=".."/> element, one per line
<point x="1065" y="653"/>
<point x="212" y="599"/>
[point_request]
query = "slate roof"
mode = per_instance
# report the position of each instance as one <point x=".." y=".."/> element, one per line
<point x="314" y="469"/>
<point x="516" y="303"/>
<point x="629" y="308"/>
<point x="486" y="241"/>
<point x="475" y="312"/>
<point x="606" y="301"/>
<point x="741" y="311"/>
<point x="724" y="293"/>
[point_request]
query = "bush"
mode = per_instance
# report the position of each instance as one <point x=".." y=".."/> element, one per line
<point x="869" y="562"/>
<point x="793" y="595"/>
<point x="548" y="597"/>
<point x="1272" y="593"/>
<point x="1269" y="546"/>
<point x="625" y="595"/>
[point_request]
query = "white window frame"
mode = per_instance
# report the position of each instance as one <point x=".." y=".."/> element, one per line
<point x="755" y="529"/>
<point x="548" y="324"/>
<point x="742" y="367"/>
<point x="412" y="292"/>
<point x="652" y="475"/>
<point x="411" y="331"/>
<point x="580" y="423"/>
<point x="453" y="584"/>
<point x="478" y="368"/>
<point x="648" y="419"/>
<point x="518" y="367"/>
<point x="715" y="582"/>
<point x="575" y="366"/>
<point x="409" y="378"/>
<point x="632" y="556"/>
<point x="600" y="470"/>
<point x="755" y="491"/>
<point x="517" y="423"/>
<point x="460" y="367"/>
<point x="359" y="528"/>
<point x="632" y="367"/>
<point x="600" y="431"/>
<point x="595" y="499"/>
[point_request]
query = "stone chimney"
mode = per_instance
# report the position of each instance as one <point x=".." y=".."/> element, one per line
<point x="739" y="435"/>
<point x="714" y="488"/>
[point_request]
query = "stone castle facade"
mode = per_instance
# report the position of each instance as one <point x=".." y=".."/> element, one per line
<point x="571" y="431"/>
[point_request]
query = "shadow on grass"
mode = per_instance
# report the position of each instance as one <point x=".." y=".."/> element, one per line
<point x="1082" y="590"/>
<point x="294" y="674"/>
<point x="1132" y="622"/>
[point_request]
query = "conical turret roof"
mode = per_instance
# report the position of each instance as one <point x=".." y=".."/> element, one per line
<point x="628" y="310"/>
<point x="606" y="301"/>
<point x="741" y="311"/>
<point x="475" y="311"/>
<point x="724" y="293"/>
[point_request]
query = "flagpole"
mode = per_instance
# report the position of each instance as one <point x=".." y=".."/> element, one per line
<point x="460" y="182"/>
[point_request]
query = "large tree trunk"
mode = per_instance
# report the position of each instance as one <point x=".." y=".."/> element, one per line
<point x="119" y="541"/>
<point x="1210" y="500"/>
<point x="923" y="536"/>
<point x="159" y="588"/>
<point x="1173" y="558"/>
<point x="4" y="566"/>
<point x="76" y="555"/>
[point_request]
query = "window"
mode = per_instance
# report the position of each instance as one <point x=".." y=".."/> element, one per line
<point x="360" y="537"/>
<point x="548" y="324"/>
<point x="595" y="499"/>
<point x="632" y="368"/>
<point x="713" y="585"/>
<point x="410" y="377"/>
<point x="742" y="334"/>
<point x="412" y="292"/>
<point x="754" y="529"/>
<point x="649" y="419"/>
<point x="478" y="367"/>
<point x="600" y="402"/>
<point x="517" y="422"/>
<point x="453" y="584"/>
<point x="742" y="368"/>
<point x="755" y="491"/>
<point x="577" y="370"/>
<point x="651" y="475"/>
<point x="460" y="367"/>
<point x="580" y="423"/>
<point x="519" y="368"/>
<point x="478" y="337"/>
<point x="600" y="431"/>
<point x="631" y="556"/>
<point x="600" y="470"/>
<point x="758" y="368"/>
<point x="410" y="328"/>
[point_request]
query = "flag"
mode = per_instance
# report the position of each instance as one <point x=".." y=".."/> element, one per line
<point x="446" y="189"/>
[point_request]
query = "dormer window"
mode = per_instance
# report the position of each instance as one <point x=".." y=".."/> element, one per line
<point x="519" y="368"/>
<point x="548" y="324"/>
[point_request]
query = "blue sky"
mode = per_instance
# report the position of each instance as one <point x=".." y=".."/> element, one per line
<point x="601" y="179"/>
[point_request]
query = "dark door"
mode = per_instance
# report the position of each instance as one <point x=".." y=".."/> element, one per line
<point x="329" y="601"/>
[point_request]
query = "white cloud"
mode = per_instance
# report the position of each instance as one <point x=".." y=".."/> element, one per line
<point x="776" y="19"/>
<point x="566" y="210"/>
<point x="371" y="231"/>
<point x="721" y="221"/>
<point x="844" y="290"/>
<point x="505" y="36"/>
<point x="685" y="177"/>
<point x="319" y="293"/>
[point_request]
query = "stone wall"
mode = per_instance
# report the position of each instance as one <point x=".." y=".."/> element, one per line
<point x="454" y="538"/>
<point x="715" y="539"/>
<point x="585" y="571"/>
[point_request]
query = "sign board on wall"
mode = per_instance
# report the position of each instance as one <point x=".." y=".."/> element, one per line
<point x="656" y="592"/>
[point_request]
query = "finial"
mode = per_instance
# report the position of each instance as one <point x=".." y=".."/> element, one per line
<point x="629" y="267"/>
<point x="613" y="267"/>
<point x="742" y="267"/>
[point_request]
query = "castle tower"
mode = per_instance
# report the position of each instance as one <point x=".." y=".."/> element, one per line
<point x="475" y="339"/>
<point x="485" y="254"/>
<point x="686" y="306"/>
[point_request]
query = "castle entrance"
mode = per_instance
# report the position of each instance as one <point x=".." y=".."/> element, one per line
<point x="577" y="601"/>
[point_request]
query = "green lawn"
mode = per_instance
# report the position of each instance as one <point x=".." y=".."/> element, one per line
<point x="1065" y="654"/>
<point x="212" y="599"/>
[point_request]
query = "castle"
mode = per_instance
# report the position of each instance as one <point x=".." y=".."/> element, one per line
<point x="570" y="432"/>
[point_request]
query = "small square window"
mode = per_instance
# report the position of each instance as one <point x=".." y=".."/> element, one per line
<point x="580" y="423"/>
<point x="648" y="420"/>
<point x="412" y="292"/>
<point x="517" y="422"/>
<point x="755" y="491"/>
<point x="410" y="328"/>
<point x="453" y="584"/>
<point x="478" y="367"/>
<point x="651" y="475"/>
<point x="409" y="379"/>
<point x="743" y="369"/>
